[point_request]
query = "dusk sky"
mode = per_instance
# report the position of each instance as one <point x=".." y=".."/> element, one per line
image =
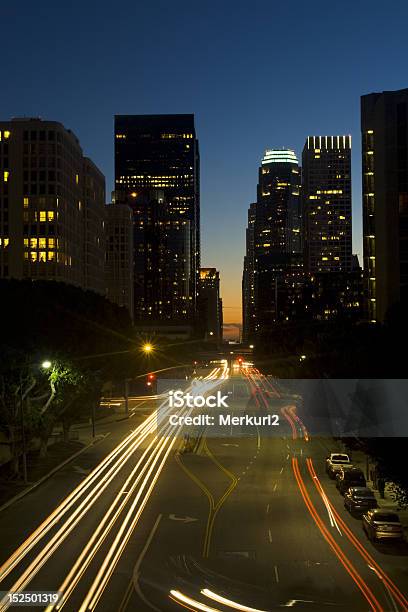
<point x="255" y="74"/>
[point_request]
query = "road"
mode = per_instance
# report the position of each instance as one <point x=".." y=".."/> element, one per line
<point x="244" y="518"/>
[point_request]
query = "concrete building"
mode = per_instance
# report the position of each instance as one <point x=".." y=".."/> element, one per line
<point x="210" y="305"/>
<point x="384" y="127"/>
<point x="326" y="194"/>
<point x="119" y="255"/>
<point x="51" y="206"/>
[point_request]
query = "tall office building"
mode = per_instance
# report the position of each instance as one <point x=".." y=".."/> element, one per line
<point x="384" y="126"/>
<point x="210" y="304"/>
<point x="273" y="244"/>
<point x="248" y="280"/>
<point x="157" y="175"/>
<point x="51" y="206"/>
<point x="119" y="255"/>
<point x="326" y="192"/>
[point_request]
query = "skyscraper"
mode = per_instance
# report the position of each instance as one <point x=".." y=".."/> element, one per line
<point x="157" y="175"/>
<point x="248" y="280"/>
<point x="384" y="127"/>
<point x="210" y="304"/>
<point x="52" y="202"/>
<point x="119" y="255"/>
<point x="326" y="193"/>
<point x="272" y="264"/>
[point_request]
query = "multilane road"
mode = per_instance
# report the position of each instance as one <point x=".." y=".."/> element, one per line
<point x="242" y="518"/>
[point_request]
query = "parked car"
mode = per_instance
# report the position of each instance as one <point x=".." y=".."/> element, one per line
<point x="349" y="477"/>
<point x="358" y="500"/>
<point x="382" y="525"/>
<point x="334" y="463"/>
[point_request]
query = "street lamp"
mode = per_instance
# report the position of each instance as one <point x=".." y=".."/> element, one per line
<point x="147" y="348"/>
<point x="46" y="364"/>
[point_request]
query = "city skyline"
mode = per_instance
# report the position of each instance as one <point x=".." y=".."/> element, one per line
<point x="323" y="100"/>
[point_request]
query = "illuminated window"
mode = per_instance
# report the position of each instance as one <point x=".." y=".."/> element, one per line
<point x="42" y="243"/>
<point x="77" y="179"/>
<point x="6" y="175"/>
<point x="25" y="202"/>
<point x="51" y="243"/>
<point x="43" y="215"/>
<point x="6" y="135"/>
<point x="51" y="256"/>
<point x="42" y="256"/>
<point x="50" y="215"/>
<point x="33" y="255"/>
<point x="33" y="243"/>
<point x="26" y="242"/>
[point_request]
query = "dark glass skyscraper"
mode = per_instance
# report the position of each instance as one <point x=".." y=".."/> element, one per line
<point x="384" y="127"/>
<point x="157" y="175"/>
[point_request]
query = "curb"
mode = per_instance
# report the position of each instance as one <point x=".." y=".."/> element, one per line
<point x="24" y="492"/>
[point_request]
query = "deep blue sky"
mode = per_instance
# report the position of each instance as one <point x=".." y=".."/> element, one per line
<point x="256" y="74"/>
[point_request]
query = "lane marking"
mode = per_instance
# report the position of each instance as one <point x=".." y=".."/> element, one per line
<point x="276" y="573"/>
<point x="270" y="536"/>
<point x="136" y="573"/>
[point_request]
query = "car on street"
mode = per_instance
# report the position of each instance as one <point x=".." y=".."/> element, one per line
<point x="358" y="500"/>
<point x="382" y="524"/>
<point x="349" y="477"/>
<point x="334" y="463"/>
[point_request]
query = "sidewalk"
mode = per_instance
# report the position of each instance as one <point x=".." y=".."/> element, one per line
<point x="359" y="459"/>
<point x="57" y="453"/>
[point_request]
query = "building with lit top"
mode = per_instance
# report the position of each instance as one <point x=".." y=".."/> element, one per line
<point x="384" y="128"/>
<point x="326" y="192"/>
<point x="273" y="270"/>
<point x="51" y="206"/>
<point x="157" y="175"/>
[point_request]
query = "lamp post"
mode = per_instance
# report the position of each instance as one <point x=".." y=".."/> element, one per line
<point x="23" y="439"/>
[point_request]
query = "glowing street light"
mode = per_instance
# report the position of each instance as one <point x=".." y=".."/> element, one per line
<point x="46" y="364"/>
<point x="147" y="348"/>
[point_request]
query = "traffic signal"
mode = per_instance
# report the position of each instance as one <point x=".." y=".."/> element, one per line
<point x="150" y="379"/>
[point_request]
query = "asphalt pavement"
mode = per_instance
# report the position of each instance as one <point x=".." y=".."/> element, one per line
<point x="244" y="519"/>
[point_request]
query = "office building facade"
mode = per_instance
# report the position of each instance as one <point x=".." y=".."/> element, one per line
<point x="272" y="265"/>
<point x="384" y="127"/>
<point x="326" y="195"/>
<point x="248" y="280"/>
<point x="119" y="255"/>
<point x="157" y="175"/>
<point x="210" y="305"/>
<point x="52" y="206"/>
